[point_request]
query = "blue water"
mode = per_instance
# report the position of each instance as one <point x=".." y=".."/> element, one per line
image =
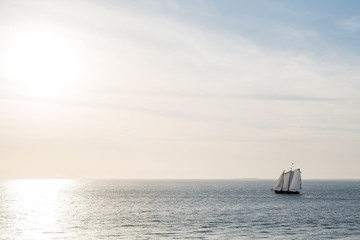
<point x="174" y="209"/>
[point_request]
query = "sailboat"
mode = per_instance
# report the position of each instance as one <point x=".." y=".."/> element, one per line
<point x="288" y="182"/>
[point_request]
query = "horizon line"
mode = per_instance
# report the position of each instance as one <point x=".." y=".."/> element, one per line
<point x="177" y="179"/>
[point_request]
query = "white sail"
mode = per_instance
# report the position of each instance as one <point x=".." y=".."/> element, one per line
<point x="285" y="186"/>
<point x="279" y="182"/>
<point x="295" y="184"/>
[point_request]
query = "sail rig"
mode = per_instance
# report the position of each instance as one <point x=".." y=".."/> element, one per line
<point x="288" y="182"/>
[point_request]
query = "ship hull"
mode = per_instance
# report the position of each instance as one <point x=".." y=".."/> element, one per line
<point x="287" y="192"/>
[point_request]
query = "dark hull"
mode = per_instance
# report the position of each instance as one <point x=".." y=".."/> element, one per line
<point x="287" y="192"/>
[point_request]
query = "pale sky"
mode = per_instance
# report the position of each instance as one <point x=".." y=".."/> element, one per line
<point x="179" y="89"/>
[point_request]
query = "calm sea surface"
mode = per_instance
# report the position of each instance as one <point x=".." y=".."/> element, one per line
<point x="165" y="209"/>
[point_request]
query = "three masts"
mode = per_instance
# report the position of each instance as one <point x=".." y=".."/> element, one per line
<point x="288" y="182"/>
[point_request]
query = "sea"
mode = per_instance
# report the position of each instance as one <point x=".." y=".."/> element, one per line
<point x="40" y="209"/>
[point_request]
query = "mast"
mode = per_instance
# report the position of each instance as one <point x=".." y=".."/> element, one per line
<point x="282" y="184"/>
<point x="291" y="176"/>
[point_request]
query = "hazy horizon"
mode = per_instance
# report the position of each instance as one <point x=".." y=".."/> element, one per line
<point x="171" y="89"/>
<point x="175" y="179"/>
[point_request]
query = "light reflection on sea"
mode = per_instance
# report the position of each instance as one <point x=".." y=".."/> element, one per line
<point x="158" y="209"/>
<point x="34" y="207"/>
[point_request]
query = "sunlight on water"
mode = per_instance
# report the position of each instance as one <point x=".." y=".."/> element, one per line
<point x="37" y="204"/>
<point x="161" y="209"/>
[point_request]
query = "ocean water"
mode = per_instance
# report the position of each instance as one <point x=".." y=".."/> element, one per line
<point x="176" y="209"/>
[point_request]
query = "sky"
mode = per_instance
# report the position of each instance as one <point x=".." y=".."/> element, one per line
<point x="179" y="89"/>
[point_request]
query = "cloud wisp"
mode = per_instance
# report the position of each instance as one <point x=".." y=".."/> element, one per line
<point x="351" y="24"/>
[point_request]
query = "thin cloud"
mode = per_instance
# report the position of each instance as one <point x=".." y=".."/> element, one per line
<point x="351" y="24"/>
<point x="288" y="97"/>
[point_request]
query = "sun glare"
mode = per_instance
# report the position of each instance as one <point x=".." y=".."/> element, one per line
<point x="42" y="62"/>
<point x="37" y="204"/>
